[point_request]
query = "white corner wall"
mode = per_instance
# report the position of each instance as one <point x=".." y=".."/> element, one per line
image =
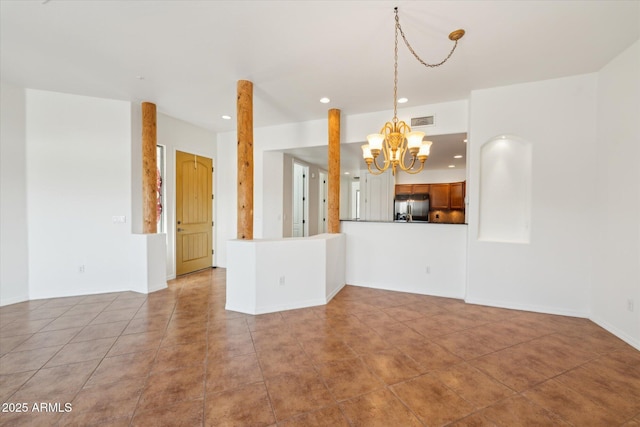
<point x="553" y="273"/>
<point x="617" y="192"/>
<point x="78" y="156"/>
<point x="177" y="135"/>
<point x="262" y="279"/>
<point x="14" y="268"/>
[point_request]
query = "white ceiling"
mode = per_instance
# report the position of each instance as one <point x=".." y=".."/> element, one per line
<point x="192" y="53"/>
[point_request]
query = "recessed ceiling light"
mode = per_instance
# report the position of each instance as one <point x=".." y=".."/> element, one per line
<point x="347" y="173"/>
<point x="226" y="117"/>
<point x="457" y="156"/>
<point x="402" y="100"/>
<point x="325" y="100"/>
<point x="452" y="166"/>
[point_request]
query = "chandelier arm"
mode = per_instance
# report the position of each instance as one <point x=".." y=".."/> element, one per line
<point x="414" y="171"/>
<point x="413" y="52"/>
<point x="375" y="163"/>
<point x="372" y="172"/>
<point x="408" y="168"/>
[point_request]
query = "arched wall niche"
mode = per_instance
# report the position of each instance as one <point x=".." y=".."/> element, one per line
<point x="505" y="190"/>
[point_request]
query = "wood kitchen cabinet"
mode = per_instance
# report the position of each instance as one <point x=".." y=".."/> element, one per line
<point x="456" y="195"/>
<point x="412" y="188"/>
<point x="439" y="196"/>
<point x="404" y="188"/>
<point x="420" y="188"/>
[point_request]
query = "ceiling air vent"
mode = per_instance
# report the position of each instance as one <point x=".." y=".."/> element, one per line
<point x="422" y="121"/>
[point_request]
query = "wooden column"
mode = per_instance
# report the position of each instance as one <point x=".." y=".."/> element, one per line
<point x="334" y="171"/>
<point x="245" y="159"/>
<point x="149" y="169"/>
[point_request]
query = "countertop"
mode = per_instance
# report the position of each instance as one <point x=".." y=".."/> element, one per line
<point x="403" y="222"/>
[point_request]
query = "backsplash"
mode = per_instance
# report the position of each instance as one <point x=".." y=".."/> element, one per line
<point x="447" y="216"/>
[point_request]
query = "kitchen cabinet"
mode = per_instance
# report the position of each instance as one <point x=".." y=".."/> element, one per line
<point x="404" y="188"/>
<point x="456" y="195"/>
<point x="420" y="188"/>
<point x="439" y="195"/>
<point x="412" y="188"/>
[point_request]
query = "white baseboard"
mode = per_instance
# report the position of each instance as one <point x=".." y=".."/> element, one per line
<point x="528" y="307"/>
<point x="13" y="300"/>
<point x="334" y="293"/>
<point x="617" y="332"/>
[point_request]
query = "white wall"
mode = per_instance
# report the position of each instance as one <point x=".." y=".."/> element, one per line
<point x="421" y="258"/>
<point x="553" y="273"/>
<point x="275" y="212"/>
<point x="432" y="176"/>
<point x="262" y="279"/>
<point x="78" y="152"/>
<point x="178" y="135"/>
<point x="617" y="195"/>
<point x="14" y="269"/>
<point x="452" y="118"/>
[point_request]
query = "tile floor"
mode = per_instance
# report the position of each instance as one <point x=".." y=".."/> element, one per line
<point x="369" y="358"/>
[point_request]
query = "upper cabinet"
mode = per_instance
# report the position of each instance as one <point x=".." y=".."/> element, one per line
<point x="404" y="188"/>
<point x="412" y="188"/>
<point x="420" y="188"/>
<point x="456" y="195"/>
<point x="439" y="196"/>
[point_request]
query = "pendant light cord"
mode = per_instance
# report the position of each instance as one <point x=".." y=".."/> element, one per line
<point x="399" y="28"/>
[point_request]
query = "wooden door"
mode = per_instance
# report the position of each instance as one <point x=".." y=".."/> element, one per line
<point x="194" y="208"/>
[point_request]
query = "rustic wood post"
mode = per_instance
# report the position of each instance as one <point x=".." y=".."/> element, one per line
<point x="334" y="171"/>
<point x="149" y="169"/>
<point x="245" y="159"/>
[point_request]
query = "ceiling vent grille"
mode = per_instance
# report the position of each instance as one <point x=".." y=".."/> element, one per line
<point x="422" y="121"/>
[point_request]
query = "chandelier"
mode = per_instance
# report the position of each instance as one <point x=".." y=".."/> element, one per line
<point x="396" y="138"/>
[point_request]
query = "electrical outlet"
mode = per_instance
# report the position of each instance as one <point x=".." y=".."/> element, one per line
<point x="428" y="269"/>
<point x="630" y="305"/>
<point x="281" y="280"/>
<point x="81" y="269"/>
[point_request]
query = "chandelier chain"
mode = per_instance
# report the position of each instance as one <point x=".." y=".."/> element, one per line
<point x="398" y="27"/>
<point x="395" y="78"/>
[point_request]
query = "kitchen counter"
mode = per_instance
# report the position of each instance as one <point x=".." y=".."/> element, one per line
<point x="401" y="222"/>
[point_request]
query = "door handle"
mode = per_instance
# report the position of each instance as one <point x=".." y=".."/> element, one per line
<point x="180" y="229"/>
